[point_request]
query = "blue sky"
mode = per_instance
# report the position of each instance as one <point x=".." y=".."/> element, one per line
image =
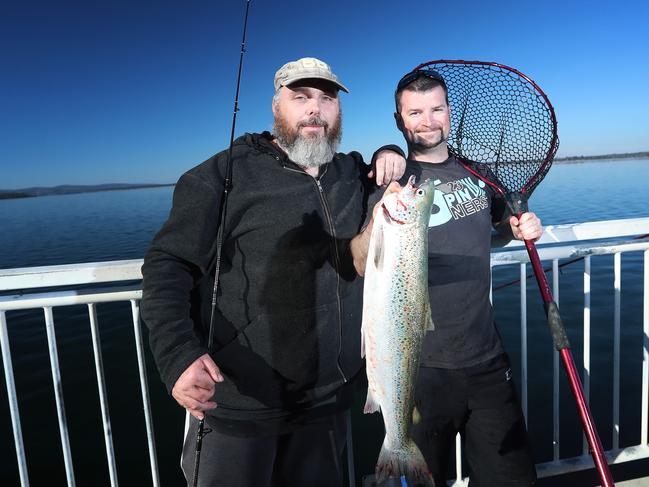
<point x="116" y="91"/>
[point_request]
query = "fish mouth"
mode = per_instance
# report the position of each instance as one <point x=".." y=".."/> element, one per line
<point x="411" y="187"/>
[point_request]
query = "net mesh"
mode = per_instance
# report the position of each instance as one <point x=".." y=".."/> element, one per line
<point x="502" y="124"/>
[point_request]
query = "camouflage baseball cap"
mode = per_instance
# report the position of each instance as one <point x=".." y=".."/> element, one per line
<point x="305" y="68"/>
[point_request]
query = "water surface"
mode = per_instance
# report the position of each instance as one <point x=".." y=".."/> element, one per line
<point x="118" y="225"/>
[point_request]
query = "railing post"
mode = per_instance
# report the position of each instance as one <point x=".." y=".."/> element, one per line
<point x="13" y="401"/>
<point x="556" y="435"/>
<point x="617" y="286"/>
<point x="645" y="353"/>
<point x="586" y="348"/>
<point x="146" y="402"/>
<point x="101" y="385"/>
<point x="58" y="393"/>
<point x="458" y="459"/>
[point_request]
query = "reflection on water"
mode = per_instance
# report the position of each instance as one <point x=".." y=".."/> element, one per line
<point x="591" y="191"/>
<point x="86" y="227"/>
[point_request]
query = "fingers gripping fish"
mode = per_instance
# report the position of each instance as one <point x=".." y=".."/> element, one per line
<point x="396" y="315"/>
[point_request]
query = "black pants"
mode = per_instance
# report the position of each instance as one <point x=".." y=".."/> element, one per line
<point x="479" y="402"/>
<point x="307" y="457"/>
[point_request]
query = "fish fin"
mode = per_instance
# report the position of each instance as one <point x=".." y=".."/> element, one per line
<point x="416" y="416"/>
<point x="371" y="404"/>
<point x="377" y="241"/>
<point x="430" y="326"/>
<point x="406" y="461"/>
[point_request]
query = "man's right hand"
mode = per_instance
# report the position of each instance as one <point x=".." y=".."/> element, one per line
<point x="195" y="386"/>
<point x="387" y="166"/>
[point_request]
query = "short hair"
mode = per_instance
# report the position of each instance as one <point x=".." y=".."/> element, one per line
<point x="419" y="81"/>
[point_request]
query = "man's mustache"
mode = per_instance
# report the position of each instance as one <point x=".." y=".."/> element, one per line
<point x="430" y="128"/>
<point x="317" y="121"/>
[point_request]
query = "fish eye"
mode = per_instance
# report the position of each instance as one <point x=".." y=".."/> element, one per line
<point x="420" y="192"/>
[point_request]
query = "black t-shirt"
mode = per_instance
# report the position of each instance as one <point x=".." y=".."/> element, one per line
<point x="459" y="273"/>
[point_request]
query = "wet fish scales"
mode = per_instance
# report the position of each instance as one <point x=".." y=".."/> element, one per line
<point x="396" y="316"/>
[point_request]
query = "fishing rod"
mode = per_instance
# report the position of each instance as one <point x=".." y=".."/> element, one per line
<point x="227" y="187"/>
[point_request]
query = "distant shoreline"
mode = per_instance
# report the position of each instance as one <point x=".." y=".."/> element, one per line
<point x="604" y="157"/>
<point x="8" y="194"/>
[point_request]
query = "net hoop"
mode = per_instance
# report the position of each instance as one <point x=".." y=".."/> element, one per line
<point x="544" y="148"/>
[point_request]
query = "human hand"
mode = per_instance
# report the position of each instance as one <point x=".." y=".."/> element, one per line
<point x="195" y="386"/>
<point x="387" y="166"/>
<point x="527" y="227"/>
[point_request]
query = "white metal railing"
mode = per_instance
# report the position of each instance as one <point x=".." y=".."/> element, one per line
<point x="615" y="455"/>
<point x="70" y="275"/>
<point x="562" y="237"/>
<point x="569" y="236"/>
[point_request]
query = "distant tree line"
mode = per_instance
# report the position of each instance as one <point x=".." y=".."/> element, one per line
<point x="71" y="189"/>
<point x="17" y="194"/>
<point x="627" y="155"/>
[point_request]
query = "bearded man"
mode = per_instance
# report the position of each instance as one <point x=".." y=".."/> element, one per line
<point x="286" y="347"/>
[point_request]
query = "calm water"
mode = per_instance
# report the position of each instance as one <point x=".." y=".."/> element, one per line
<point x="120" y="224"/>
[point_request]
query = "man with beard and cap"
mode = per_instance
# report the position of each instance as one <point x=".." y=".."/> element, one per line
<point x="276" y="387"/>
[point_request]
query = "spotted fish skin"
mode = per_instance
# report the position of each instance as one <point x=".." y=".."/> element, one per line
<point x="396" y="316"/>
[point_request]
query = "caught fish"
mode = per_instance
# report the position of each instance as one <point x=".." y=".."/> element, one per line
<point x="396" y="316"/>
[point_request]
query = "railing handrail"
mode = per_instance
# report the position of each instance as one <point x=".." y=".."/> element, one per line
<point x="70" y="274"/>
<point x="69" y="298"/>
<point x="127" y="270"/>
<point x="568" y="251"/>
<point x="578" y="232"/>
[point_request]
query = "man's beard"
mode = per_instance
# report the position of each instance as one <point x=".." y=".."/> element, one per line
<point x="419" y="143"/>
<point x="311" y="150"/>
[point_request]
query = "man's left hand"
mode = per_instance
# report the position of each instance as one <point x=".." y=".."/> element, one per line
<point x="528" y="227"/>
<point x="387" y="166"/>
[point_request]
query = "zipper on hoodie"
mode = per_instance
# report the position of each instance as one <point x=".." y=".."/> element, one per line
<point x="337" y="266"/>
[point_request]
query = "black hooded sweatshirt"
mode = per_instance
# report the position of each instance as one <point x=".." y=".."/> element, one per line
<point x="287" y="321"/>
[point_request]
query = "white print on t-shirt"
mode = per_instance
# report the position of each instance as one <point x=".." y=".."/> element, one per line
<point x="457" y="199"/>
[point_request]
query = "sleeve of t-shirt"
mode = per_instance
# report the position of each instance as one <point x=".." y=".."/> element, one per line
<point x="392" y="147"/>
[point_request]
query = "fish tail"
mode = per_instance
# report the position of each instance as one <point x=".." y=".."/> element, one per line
<point x="406" y="461"/>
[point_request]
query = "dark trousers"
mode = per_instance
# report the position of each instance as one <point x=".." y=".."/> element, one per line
<point x="307" y="457"/>
<point x="481" y="403"/>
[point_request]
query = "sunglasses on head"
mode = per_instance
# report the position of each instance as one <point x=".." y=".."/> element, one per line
<point x="419" y="73"/>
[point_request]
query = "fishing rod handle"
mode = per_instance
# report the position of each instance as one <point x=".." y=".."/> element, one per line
<point x="197" y="455"/>
<point x="558" y="331"/>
